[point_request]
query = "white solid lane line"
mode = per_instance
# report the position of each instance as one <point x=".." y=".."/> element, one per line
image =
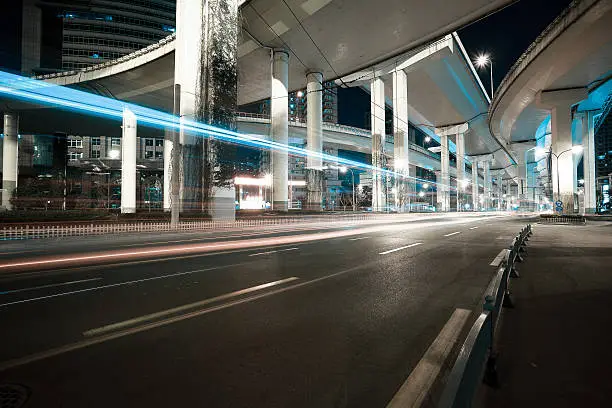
<point x="152" y="325"/>
<point x="416" y="387"/>
<point x="276" y="250"/>
<point x="357" y="239"/>
<point x="138" y="320"/>
<point x="112" y="285"/>
<point x="473" y="228"/>
<point x="400" y="248"/>
<point x="453" y="233"/>
<point x="52" y="285"/>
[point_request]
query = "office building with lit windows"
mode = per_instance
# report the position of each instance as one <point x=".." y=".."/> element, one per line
<point x="74" y="34"/>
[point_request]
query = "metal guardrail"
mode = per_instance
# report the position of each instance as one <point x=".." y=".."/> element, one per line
<point x="477" y="355"/>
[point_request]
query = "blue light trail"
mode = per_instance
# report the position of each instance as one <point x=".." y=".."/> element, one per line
<point x="56" y="96"/>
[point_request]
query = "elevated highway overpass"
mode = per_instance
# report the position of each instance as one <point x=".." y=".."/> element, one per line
<point x="325" y="37"/>
<point x="549" y="100"/>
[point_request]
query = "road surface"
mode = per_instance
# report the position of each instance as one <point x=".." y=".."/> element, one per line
<point x="326" y="315"/>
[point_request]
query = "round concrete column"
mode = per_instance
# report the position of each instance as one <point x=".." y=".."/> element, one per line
<point x="9" y="158"/>
<point x="280" y="129"/>
<point x="314" y="129"/>
<point x="128" y="162"/>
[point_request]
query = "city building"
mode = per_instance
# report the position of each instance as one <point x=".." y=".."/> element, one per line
<point x="74" y="34"/>
<point x="298" y="104"/>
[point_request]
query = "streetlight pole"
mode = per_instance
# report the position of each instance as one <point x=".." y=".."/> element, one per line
<point x="573" y="149"/>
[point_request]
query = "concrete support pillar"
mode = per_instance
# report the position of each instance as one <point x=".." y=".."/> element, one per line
<point x="9" y="158"/>
<point x="588" y="161"/>
<point x="500" y="191"/>
<point x="401" y="159"/>
<point x="377" y="109"/>
<point x="461" y="180"/>
<point x="439" y="191"/>
<point x="168" y="143"/>
<point x="559" y="103"/>
<point x="128" y="162"/>
<point x="475" y="198"/>
<point x="509" y="195"/>
<point x="207" y="31"/>
<point x="444" y="174"/>
<point x="279" y="114"/>
<point x="314" y="130"/>
<point x="486" y="165"/>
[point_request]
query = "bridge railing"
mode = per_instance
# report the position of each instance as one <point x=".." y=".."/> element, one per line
<point x="477" y="358"/>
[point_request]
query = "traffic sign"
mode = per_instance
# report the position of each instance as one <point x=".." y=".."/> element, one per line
<point x="558" y="204"/>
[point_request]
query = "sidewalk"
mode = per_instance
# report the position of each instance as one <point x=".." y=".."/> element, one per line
<point x="555" y="346"/>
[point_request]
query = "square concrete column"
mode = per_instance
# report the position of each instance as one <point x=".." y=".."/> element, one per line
<point x="10" y="149"/>
<point x="401" y="159"/>
<point x="444" y="173"/>
<point x="128" y="162"/>
<point x="559" y="103"/>
<point x="280" y="130"/>
<point x="588" y="161"/>
<point x="377" y="112"/>
<point x="475" y="198"/>
<point x="314" y="141"/>
<point x="486" y="166"/>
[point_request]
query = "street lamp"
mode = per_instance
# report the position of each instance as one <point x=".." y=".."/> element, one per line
<point x="343" y="170"/>
<point x="573" y="149"/>
<point x="482" y="61"/>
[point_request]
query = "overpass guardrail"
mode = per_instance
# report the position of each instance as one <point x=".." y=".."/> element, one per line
<point x="476" y="361"/>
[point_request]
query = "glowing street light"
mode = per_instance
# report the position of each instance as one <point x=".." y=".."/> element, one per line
<point x="421" y="194"/>
<point x="427" y="139"/>
<point x="482" y="61"/>
<point x="300" y="94"/>
<point x="426" y="185"/>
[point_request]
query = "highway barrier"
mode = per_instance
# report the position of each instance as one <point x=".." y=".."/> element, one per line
<point x="476" y="361"/>
<point x="562" y="219"/>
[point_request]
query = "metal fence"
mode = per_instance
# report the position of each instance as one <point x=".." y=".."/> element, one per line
<point x="39" y="231"/>
<point x="477" y="358"/>
<point x="562" y="219"/>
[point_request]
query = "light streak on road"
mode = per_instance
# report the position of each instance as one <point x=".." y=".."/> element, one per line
<point x="118" y="256"/>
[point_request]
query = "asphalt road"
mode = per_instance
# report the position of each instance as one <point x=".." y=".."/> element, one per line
<point x="295" y="316"/>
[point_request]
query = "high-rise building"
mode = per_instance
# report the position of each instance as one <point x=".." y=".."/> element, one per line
<point x="74" y="34"/>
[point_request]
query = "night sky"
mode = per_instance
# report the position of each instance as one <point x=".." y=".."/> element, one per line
<point x="504" y="35"/>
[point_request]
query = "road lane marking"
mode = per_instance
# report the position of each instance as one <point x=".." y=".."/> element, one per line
<point x="499" y="258"/>
<point x="414" y="390"/>
<point x="453" y="233"/>
<point x="276" y="250"/>
<point x="165" y="253"/>
<point x="138" y="329"/>
<point x="112" y="285"/>
<point x="473" y="228"/>
<point x="153" y="316"/>
<point x="52" y="285"/>
<point x="400" y="248"/>
<point x="357" y="239"/>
